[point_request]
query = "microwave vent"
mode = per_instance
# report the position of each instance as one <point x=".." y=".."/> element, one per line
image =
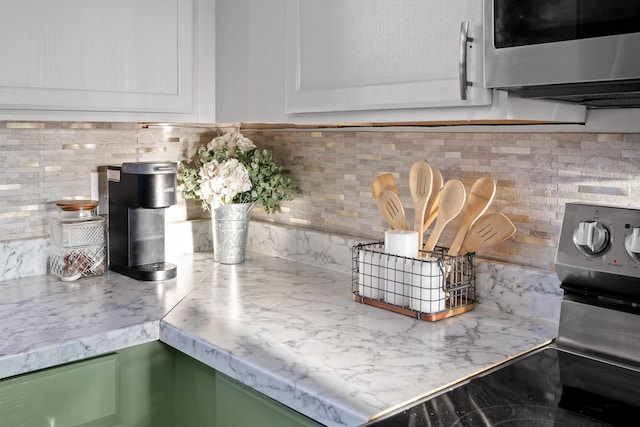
<point x="619" y="94"/>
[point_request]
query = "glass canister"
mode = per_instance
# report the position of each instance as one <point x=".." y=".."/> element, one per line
<point x="78" y="241"/>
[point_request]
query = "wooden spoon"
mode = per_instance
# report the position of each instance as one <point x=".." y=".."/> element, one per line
<point x="432" y="206"/>
<point x="391" y="208"/>
<point x="420" y="177"/>
<point x="480" y="197"/>
<point x="489" y="230"/>
<point x="433" y="213"/>
<point x="383" y="182"/>
<point x="452" y="198"/>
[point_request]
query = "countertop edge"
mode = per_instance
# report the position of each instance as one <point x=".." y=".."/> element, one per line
<point x="77" y="349"/>
<point x="317" y="408"/>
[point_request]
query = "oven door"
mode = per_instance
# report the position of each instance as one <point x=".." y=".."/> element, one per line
<point x="529" y="43"/>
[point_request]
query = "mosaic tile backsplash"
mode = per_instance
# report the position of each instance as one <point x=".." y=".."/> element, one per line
<point x="536" y="174"/>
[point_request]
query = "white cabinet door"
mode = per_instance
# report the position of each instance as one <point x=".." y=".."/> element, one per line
<point x="116" y="56"/>
<point x="347" y="55"/>
<point x="258" y="82"/>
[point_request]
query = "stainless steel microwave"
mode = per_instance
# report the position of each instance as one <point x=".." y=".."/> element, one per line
<point x="582" y="51"/>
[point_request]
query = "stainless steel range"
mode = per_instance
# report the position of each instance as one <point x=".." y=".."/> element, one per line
<point x="590" y="375"/>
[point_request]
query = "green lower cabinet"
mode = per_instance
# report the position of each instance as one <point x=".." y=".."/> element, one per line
<point x="66" y="396"/>
<point x="205" y="397"/>
<point x="195" y="393"/>
<point x="128" y="388"/>
<point x="150" y="385"/>
<point x="146" y="384"/>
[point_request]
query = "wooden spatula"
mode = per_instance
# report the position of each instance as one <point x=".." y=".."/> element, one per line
<point x="391" y="208"/>
<point x="452" y="198"/>
<point x="479" y="198"/>
<point x="420" y="177"/>
<point x="382" y="182"/>
<point x="489" y="230"/>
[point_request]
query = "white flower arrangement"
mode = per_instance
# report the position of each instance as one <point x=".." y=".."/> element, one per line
<point x="230" y="169"/>
<point x="221" y="182"/>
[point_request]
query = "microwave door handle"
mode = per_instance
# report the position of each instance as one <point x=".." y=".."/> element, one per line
<point x="464" y="39"/>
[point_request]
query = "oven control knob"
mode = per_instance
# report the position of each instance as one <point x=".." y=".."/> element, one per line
<point x="632" y="244"/>
<point x="591" y="238"/>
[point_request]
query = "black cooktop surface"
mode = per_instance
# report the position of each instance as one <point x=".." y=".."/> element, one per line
<point x="549" y="387"/>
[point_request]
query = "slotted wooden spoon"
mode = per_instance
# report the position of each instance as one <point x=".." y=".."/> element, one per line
<point x="489" y="230"/>
<point x="420" y="177"/>
<point x="391" y="208"/>
<point x="452" y="198"/>
<point x="380" y="183"/>
<point x="479" y="198"/>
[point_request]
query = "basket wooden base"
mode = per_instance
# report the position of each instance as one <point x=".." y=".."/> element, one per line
<point x="430" y="317"/>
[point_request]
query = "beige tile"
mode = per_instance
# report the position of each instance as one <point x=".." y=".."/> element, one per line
<point x="607" y="137"/>
<point x="24" y="125"/>
<point x="536" y="173"/>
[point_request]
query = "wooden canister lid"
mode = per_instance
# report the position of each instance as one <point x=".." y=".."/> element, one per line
<point x="77" y="205"/>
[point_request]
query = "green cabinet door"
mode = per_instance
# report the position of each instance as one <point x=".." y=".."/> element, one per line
<point x="68" y="395"/>
<point x="194" y="393"/>
<point x="133" y="387"/>
<point x="207" y="398"/>
<point x="145" y="386"/>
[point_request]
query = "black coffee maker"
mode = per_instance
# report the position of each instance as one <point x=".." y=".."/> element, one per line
<point x="138" y="194"/>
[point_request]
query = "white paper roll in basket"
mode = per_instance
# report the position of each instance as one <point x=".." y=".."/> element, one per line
<point x="371" y="275"/>
<point x="401" y="243"/>
<point x="427" y="286"/>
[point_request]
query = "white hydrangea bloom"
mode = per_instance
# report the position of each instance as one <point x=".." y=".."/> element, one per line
<point x="216" y="144"/>
<point x="221" y="182"/>
<point x="244" y="144"/>
<point x="229" y="142"/>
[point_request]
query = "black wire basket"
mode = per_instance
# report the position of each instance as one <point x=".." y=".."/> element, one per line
<point x="431" y="287"/>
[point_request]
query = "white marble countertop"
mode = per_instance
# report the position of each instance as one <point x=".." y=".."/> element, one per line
<point x="289" y="330"/>
<point x="46" y="322"/>
<point x="294" y="333"/>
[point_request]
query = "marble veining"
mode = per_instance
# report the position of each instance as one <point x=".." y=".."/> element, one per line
<point x="331" y="252"/>
<point x="46" y="322"/>
<point x="523" y="291"/>
<point x="23" y="258"/>
<point x="293" y="332"/>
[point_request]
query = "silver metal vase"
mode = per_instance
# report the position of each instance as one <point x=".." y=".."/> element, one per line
<point x="230" y="226"/>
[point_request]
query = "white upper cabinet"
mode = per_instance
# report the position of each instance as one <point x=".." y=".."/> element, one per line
<point x="345" y="55"/>
<point x="107" y="60"/>
<point x="344" y="62"/>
